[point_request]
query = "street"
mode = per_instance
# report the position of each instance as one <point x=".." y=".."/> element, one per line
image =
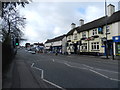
<point x="73" y="71"/>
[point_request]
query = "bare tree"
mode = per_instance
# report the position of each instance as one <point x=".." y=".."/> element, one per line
<point x="12" y="22"/>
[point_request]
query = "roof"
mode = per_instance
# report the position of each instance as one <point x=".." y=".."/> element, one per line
<point x="71" y="31"/>
<point x="94" y="24"/>
<point x="115" y="17"/>
<point x="40" y="44"/>
<point x="97" y="23"/>
<point x="59" y="38"/>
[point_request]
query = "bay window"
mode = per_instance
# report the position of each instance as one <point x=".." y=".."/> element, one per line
<point x="95" y="46"/>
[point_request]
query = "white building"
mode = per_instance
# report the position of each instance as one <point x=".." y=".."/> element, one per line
<point x="89" y="38"/>
<point x="64" y="45"/>
<point x="54" y="45"/>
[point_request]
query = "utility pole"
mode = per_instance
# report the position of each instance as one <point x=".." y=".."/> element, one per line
<point x="106" y="44"/>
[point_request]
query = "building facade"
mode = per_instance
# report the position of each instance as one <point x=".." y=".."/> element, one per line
<point x="54" y="45"/>
<point x="64" y="45"/>
<point x="90" y="38"/>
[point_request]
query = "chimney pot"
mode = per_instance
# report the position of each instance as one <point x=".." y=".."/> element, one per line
<point x="81" y="22"/>
<point x="73" y="25"/>
<point x="110" y="9"/>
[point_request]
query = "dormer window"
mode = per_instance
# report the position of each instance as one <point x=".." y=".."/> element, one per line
<point x="95" y="32"/>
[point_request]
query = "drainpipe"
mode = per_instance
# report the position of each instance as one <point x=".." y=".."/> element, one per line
<point x="88" y="42"/>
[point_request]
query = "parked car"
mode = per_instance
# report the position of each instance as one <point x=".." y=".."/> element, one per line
<point x="33" y="50"/>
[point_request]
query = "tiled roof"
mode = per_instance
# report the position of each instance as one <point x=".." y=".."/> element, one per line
<point x="71" y="31"/>
<point x="55" y="39"/>
<point x="94" y="24"/>
<point x="115" y="17"/>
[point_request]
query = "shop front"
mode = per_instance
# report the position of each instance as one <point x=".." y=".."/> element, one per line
<point x="57" y="49"/>
<point x="116" y="40"/>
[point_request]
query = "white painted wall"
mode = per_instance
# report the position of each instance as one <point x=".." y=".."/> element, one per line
<point x="114" y="30"/>
<point x="47" y="45"/>
<point x="57" y="43"/>
<point x="64" y="48"/>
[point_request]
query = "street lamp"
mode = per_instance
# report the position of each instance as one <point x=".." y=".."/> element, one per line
<point x="106" y="44"/>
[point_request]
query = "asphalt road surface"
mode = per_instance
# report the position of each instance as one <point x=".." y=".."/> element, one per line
<point x="73" y="71"/>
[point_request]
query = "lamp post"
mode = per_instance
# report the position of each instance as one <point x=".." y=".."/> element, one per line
<point x="106" y="44"/>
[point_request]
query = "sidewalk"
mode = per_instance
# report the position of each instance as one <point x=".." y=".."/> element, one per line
<point x="20" y="75"/>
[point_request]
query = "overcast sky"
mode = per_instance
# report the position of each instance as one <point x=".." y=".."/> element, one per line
<point x="46" y="20"/>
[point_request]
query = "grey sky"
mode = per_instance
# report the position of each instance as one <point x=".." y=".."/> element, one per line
<point x="46" y="20"/>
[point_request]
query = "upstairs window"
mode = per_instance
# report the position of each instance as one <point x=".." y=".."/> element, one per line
<point x="95" y="32"/>
<point x="75" y="36"/>
<point x="83" y="34"/>
<point x="69" y="37"/>
<point x="108" y="29"/>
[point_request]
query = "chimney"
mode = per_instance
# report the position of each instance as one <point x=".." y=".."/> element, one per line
<point x="110" y="9"/>
<point x="73" y="25"/>
<point x="81" y="22"/>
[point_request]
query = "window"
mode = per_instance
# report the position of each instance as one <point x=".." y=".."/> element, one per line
<point x="75" y="36"/>
<point x="95" y="46"/>
<point x="83" y="34"/>
<point x="69" y="37"/>
<point x="100" y="30"/>
<point x="95" y="32"/>
<point x="84" y="46"/>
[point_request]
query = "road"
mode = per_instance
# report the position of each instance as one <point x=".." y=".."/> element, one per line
<point x="73" y="71"/>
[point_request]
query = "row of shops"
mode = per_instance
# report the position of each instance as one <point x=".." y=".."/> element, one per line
<point x="90" y="38"/>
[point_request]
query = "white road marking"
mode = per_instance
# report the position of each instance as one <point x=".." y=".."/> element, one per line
<point x="52" y="84"/>
<point x="42" y="77"/>
<point x="99" y="69"/>
<point x="74" y="66"/>
<point x="53" y="60"/>
<point x="88" y="66"/>
<point x="92" y="71"/>
<point x="105" y="70"/>
<point x="99" y="73"/>
<point x="114" y="79"/>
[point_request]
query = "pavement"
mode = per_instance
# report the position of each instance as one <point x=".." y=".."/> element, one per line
<point x="20" y="75"/>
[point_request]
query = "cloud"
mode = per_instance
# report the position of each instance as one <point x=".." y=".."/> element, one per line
<point x="46" y="20"/>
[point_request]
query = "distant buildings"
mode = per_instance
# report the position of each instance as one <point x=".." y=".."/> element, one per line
<point x="55" y="44"/>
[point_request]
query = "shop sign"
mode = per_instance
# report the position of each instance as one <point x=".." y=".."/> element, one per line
<point x="100" y="30"/>
<point x="102" y="46"/>
<point x="116" y="39"/>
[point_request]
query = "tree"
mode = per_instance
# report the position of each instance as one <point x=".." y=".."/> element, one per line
<point x="12" y="22"/>
<point x="12" y="25"/>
